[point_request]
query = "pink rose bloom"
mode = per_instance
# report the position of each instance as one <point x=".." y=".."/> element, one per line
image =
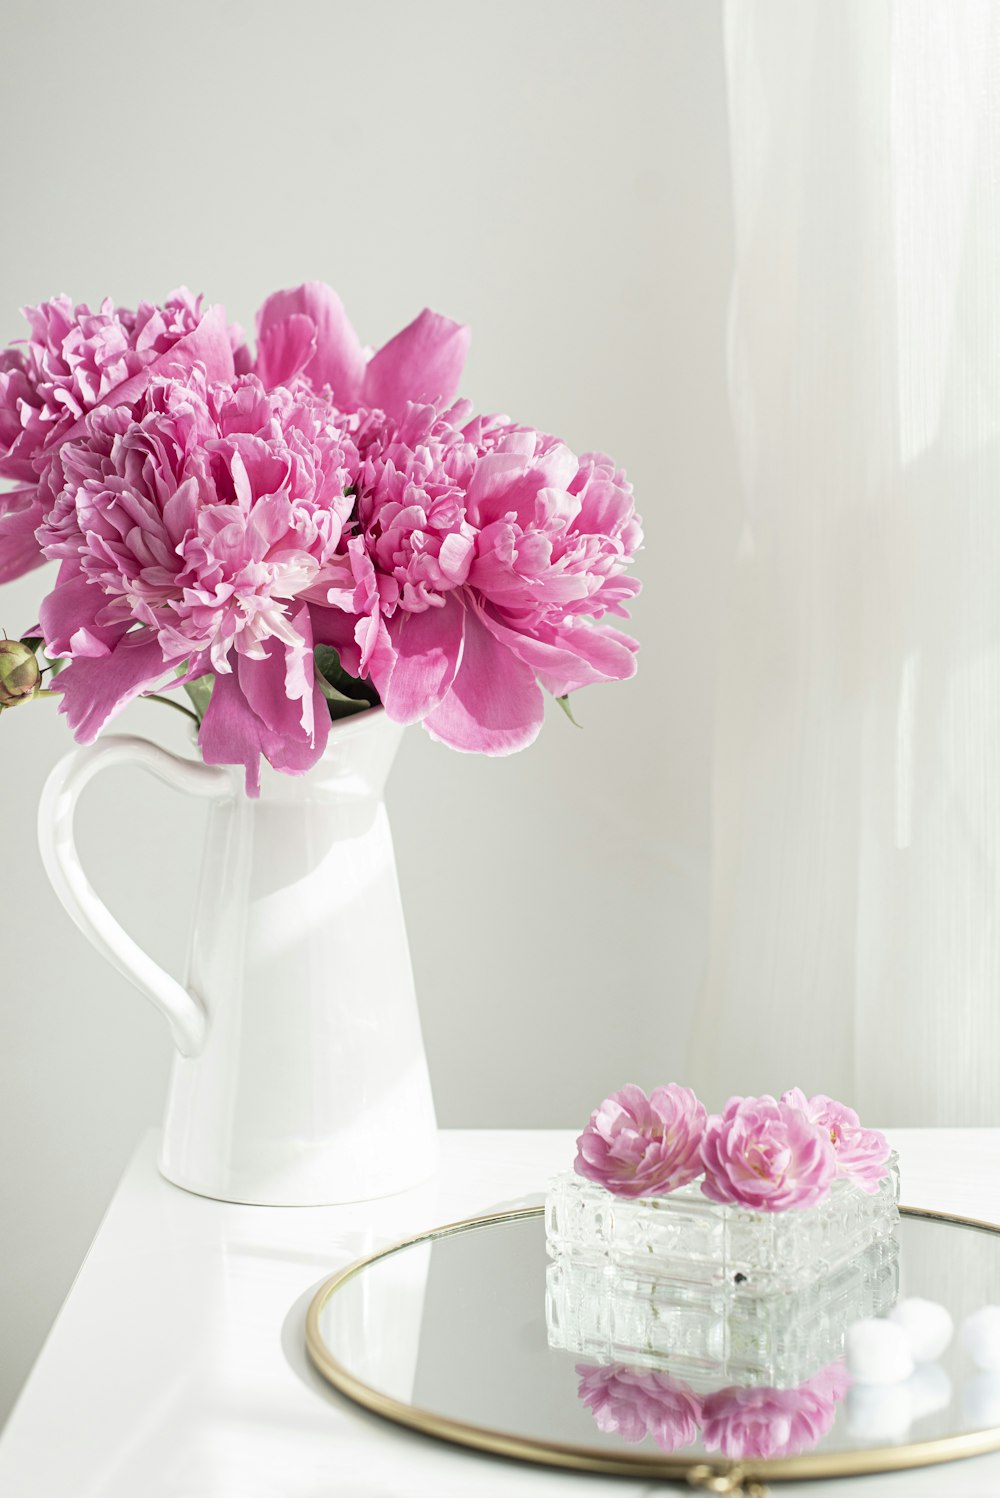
<point x="636" y="1145"/>
<point x="485" y="561"/>
<point x="755" y="1424"/>
<point x="74" y="361"/>
<point x="633" y="1404"/>
<point x="862" y="1154"/>
<point x="766" y="1155"/>
<point x="199" y="527"/>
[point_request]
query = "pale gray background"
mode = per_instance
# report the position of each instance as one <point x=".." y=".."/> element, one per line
<point x="555" y="174"/>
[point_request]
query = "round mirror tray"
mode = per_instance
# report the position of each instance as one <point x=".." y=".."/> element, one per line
<point x="472" y="1334"/>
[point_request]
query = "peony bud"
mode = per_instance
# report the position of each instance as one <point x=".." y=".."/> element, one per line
<point x="20" y="676"/>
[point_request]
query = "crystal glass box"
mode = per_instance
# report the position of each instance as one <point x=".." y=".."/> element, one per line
<point x="686" y="1240"/>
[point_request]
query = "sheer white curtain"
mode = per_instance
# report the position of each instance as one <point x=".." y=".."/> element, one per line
<point x="856" y="900"/>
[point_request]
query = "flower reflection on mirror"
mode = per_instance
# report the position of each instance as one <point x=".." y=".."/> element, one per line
<point x="740" y="1422"/>
<point x="633" y="1403"/>
<point x="763" y="1423"/>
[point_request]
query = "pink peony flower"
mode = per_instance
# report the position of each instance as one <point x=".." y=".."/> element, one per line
<point x="766" y="1155"/>
<point x="484" y="555"/>
<point x="306" y="332"/>
<point x="197" y="528"/>
<point x="218" y="522"/>
<point x="633" y="1404"/>
<point x="636" y="1145"/>
<point x="862" y="1154"/>
<point x="745" y="1423"/>
<point x="74" y="361"/>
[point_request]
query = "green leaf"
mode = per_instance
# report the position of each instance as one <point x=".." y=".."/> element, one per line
<point x="336" y="684"/>
<point x="32" y="642"/>
<point x="200" y="691"/>
<point x="329" y="692"/>
<point x="564" y="704"/>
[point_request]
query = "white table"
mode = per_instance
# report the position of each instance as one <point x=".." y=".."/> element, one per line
<point x="176" y="1367"/>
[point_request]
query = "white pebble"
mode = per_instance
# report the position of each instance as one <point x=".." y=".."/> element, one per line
<point x="980" y="1336"/>
<point x="878" y="1352"/>
<point x="928" y="1327"/>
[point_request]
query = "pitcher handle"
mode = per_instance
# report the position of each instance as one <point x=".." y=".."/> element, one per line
<point x="183" y="1010"/>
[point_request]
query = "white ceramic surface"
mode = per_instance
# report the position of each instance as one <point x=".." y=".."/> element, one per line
<point x="300" y="1077"/>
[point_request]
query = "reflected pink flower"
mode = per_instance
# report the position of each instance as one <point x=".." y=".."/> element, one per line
<point x="766" y="1155"/>
<point x="73" y="362"/>
<point x="198" y="526"/>
<point x="761" y="1423"/>
<point x="636" y="1145"/>
<point x="862" y="1154"/>
<point x="632" y="1403"/>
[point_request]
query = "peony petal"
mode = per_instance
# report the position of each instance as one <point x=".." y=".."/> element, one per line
<point x="230" y="730"/>
<point x="284" y="349"/>
<point x="576" y="654"/>
<point x="422" y="363"/>
<point x="265" y="685"/>
<point x="336" y="628"/>
<point x="71" y="608"/>
<point x="95" y="690"/>
<point x="234" y="733"/>
<point x="428" y="650"/>
<point x="207" y="344"/>
<point x="339" y="359"/>
<point x="21" y="514"/>
<point x="494" y="706"/>
<point x="282" y="739"/>
<point x="294" y="754"/>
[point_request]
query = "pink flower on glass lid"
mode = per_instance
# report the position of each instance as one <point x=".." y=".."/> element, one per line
<point x="766" y="1155"/>
<point x="633" y="1404"/>
<point x="636" y="1145"/>
<point x="862" y="1154"/>
<point x="761" y="1423"/>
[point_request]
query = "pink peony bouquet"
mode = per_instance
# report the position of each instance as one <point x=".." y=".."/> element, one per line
<point x="297" y="536"/>
<point x="759" y="1153"/>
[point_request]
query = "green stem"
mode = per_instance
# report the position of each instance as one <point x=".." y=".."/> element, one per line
<point x="177" y="707"/>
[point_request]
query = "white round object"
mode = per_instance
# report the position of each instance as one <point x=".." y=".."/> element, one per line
<point x="878" y="1352"/>
<point x="928" y="1327"/>
<point x="980" y="1337"/>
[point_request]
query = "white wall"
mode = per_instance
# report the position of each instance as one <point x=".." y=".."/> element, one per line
<point x="556" y="175"/>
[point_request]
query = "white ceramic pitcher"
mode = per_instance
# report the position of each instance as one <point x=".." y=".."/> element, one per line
<point x="301" y="1077"/>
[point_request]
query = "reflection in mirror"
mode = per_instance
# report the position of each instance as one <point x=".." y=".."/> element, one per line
<point x="740" y="1422"/>
<point x="710" y="1337"/>
<point x="478" y="1329"/>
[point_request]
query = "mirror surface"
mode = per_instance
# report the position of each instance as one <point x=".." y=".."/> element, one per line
<point x="477" y="1327"/>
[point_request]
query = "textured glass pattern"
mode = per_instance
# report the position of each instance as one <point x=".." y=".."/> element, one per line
<point x="687" y="1241"/>
<point x="708" y="1337"/>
